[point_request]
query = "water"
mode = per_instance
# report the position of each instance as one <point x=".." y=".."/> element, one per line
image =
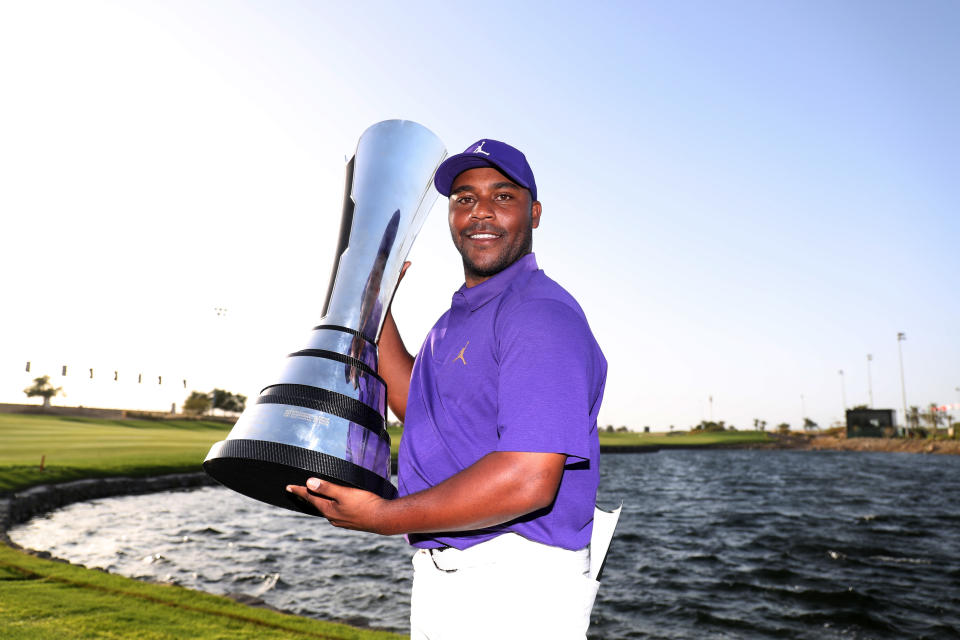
<point x="711" y="544"/>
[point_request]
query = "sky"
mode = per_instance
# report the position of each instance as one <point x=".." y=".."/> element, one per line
<point x="746" y="198"/>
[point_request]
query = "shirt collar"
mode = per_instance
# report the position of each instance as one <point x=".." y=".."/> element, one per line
<point x="476" y="297"/>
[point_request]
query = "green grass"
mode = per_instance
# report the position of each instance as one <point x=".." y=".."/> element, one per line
<point x="45" y="599"/>
<point x="395" y="433"/>
<point x="89" y="447"/>
<point x="685" y="439"/>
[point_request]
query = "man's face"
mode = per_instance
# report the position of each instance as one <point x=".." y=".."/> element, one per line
<point x="491" y="221"/>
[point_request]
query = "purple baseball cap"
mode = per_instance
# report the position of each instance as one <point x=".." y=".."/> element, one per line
<point x="486" y="153"/>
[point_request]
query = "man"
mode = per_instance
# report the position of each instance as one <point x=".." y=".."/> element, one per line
<point x="499" y="462"/>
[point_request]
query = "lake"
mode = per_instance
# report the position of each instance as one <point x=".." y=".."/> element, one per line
<point x="717" y="544"/>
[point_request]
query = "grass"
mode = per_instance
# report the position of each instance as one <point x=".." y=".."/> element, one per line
<point x="88" y="447"/>
<point x="395" y="433"/>
<point x="46" y="599"/>
<point x="683" y="439"/>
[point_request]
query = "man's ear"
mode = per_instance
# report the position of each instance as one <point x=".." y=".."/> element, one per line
<point x="535" y="210"/>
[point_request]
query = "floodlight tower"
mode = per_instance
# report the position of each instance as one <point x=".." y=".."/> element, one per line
<point x="869" y="380"/>
<point x="901" y="336"/>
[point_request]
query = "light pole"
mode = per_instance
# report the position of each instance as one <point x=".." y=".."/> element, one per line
<point x="803" y="411"/>
<point x="869" y="380"/>
<point x="901" y="336"/>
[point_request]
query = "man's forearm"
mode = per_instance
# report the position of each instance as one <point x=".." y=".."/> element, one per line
<point x="500" y="487"/>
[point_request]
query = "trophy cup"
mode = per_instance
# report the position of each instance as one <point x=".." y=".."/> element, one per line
<point x="325" y="414"/>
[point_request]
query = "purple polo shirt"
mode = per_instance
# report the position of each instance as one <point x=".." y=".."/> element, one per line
<point x="512" y="366"/>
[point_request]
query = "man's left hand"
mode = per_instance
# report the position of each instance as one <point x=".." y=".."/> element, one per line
<point x="345" y="507"/>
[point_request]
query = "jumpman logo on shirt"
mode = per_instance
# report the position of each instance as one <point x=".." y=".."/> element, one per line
<point x="460" y="355"/>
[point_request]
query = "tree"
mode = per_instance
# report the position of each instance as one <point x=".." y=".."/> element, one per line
<point x="226" y="401"/>
<point x="933" y="418"/>
<point x="913" y="417"/>
<point x="236" y="403"/>
<point x="197" y="404"/>
<point x="759" y="425"/>
<point x="783" y="427"/>
<point x="41" y="387"/>
<point x="809" y="425"/>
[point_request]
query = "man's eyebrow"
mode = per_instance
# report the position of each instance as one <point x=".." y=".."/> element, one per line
<point x="498" y="185"/>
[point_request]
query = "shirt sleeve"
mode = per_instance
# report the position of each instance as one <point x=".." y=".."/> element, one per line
<point x="548" y="380"/>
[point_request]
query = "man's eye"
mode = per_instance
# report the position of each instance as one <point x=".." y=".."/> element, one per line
<point x="503" y="196"/>
<point x="464" y="200"/>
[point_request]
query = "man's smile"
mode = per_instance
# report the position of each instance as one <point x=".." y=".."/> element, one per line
<point x="484" y="235"/>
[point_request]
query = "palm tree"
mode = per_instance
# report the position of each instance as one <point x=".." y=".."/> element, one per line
<point x="933" y="418"/>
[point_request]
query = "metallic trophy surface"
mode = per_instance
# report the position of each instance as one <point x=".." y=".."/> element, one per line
<point x="325" y="413"/>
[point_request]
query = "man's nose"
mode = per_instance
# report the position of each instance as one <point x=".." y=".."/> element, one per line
<point x="483" y="209"/>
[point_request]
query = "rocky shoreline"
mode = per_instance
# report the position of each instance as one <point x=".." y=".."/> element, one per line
<point x="889" y="445"/>
<point x="19" y="506"/>
<point x="804" y="442"/>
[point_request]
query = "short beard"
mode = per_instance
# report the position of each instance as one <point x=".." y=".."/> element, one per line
<point x="504" y="261"/>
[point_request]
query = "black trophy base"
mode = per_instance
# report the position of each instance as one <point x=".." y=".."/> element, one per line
<point x="262" y="470"/>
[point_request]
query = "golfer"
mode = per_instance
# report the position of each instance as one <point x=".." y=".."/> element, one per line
<point x="499" y="461"/>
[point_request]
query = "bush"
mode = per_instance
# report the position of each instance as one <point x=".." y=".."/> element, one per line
<point x="709" y="426"/>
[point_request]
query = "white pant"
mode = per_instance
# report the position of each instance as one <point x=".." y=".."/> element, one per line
<point x="508" y="587"/>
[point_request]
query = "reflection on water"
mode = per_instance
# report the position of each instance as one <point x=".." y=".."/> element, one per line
<point x="711" y="544"/>
<point x="222" y="542"/>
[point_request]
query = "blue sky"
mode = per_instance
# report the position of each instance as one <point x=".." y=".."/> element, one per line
<point x="745" y="197"/>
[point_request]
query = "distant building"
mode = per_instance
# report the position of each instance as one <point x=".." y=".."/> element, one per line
<point x="871" y="423"/>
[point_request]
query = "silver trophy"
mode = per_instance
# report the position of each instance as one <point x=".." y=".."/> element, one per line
<point x="325" y="415"/>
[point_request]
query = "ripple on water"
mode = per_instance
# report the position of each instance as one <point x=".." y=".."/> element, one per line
<point x="719" y="544"/>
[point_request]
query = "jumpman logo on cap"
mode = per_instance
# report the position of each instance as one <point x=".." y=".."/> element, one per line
<point x="479" y="148"/>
